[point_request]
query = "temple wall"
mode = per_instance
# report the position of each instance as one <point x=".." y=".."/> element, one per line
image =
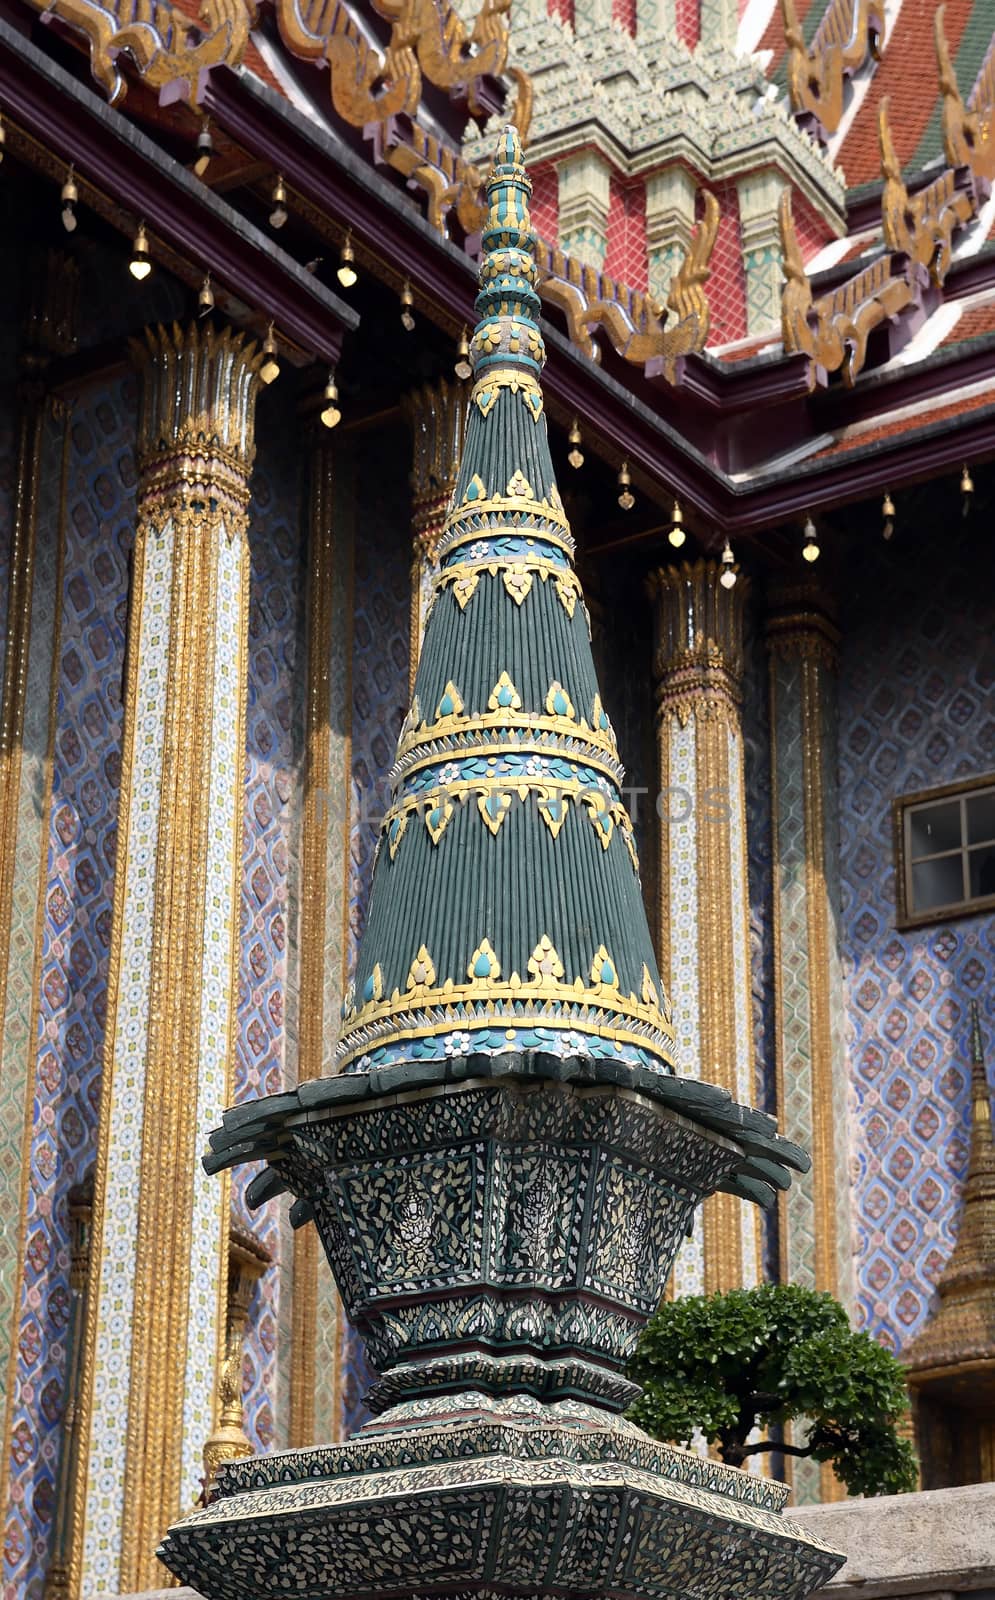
<point x="77" y="854"/>
<point x="756" y="756"/>
<point x="380" y="665"/>
<point x="916" y="711"/>
<point x="265" y="1055"/>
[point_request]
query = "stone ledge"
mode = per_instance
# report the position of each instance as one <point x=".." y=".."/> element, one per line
<point x="940" y="1542"/>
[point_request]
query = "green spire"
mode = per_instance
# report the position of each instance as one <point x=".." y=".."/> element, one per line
<point x="505" y="912"/>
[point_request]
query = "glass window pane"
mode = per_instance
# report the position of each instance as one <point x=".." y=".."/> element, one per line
<point x="981" y="864"/>
<point x="981" y="817"/>
<point x="933" y="828"/>
<point x="937" y="883"/>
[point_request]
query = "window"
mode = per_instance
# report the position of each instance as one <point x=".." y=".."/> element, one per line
<point x="945" y="852"/>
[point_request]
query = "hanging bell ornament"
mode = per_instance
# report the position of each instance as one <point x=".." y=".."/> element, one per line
<point x="676" y="533"/>
<point x="463" y="368"/>
<point x="966" y="489"/>
<point x="888" y="513"/>
<point x="575" y="454"/>
<point x="626" y="497"/>
<point x="69" y="197"/>
<point x="728" y="574"/>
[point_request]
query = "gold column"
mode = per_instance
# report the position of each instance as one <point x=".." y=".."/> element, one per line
<point x="810" y="1055"/>
<point x="247" y="1261"/>
<point x="704" y="903"/>
<point x="28" y="701"/>
<point x="48" y="331"/>
<point x="156" y="1327"/>
<point x="323" y="890"/>
<point x="65" y="1523"/>
<point x="437" y="413"/>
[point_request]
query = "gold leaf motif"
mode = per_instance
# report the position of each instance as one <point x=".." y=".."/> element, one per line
<point x="567" y="594"/>
<point x="475" y="492"/>
<point x="533" y="403"/>
<point x="484" y="966"/>
<point x="630" y="845"/>
<point x="517" y="581"/>
<point x="421" y="973"/>
<point x="395" y="833"/>
<point x="451" y="703"/>
<point x="648" y="991"/>
<point x="597" y="810"/>
<point x="464" y="588"/>
<point x="544" y="963"/>
<point x="437" y="818"/>
<point x="603" y="974"/>
<point x="504" y="696"/>
<point x="519" y="487"/>
<point x="559" y="703"/>
<point x="553" y="811"/>
<point x="376" y="979"/>
<point x="493" y="807"/>
<point x="485" y="400"/>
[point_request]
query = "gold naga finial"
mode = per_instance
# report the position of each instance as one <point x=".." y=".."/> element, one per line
<point x="796" y="296"/>
<point x="634" y="322"/>
<point x="922" y="225"/>
<point x="850" y="32"/>
<point x="968" y="131"/>
<point x="896" y="221"/>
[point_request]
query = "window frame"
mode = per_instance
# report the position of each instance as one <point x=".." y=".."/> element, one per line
<point x="903" y="807"/>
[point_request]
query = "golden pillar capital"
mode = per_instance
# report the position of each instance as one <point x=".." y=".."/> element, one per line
<point x="802" y="622"/>
<point x="196" y="423"/>
<point x="698" y="641"/>
<point x="437" y="413"/>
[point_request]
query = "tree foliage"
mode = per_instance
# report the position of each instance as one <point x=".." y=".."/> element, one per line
<point x="727" y="1364"/>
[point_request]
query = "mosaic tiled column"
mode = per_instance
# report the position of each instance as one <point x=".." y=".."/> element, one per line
<point x="584" y="182"/>
<point x="437" y="413"/>
<point x="324" y="899"/>
<point x="156" y="1323"/>
<point x="704" y="955"/>
<point x="815" y="1231"/>
<point x="719" y="24"/>
<point x="27" y="705"/>
<point x="759" y="193"/>
<point x="670" y="202"/>
<point x="65" y="1526"/>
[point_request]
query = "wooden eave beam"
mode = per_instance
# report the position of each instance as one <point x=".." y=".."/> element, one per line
<point x="74" y="124"/>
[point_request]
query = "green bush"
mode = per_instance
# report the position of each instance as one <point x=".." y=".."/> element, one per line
<point x="727" y="1364"/>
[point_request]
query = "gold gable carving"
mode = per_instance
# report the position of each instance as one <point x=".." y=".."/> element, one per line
<point x="635" y="322"/>
<point x="850" y="34"/>
<point x="968" y="131"/>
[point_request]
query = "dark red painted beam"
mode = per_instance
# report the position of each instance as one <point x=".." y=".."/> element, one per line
<point x="75" y="124"/>
<point x="620" y="418"/>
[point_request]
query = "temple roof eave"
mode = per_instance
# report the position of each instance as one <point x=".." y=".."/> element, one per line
<point x="66" y="117"/>
<point x="625" y="418"/>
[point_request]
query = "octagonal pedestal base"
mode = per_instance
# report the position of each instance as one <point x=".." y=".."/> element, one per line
<point x="473" y="1496"/>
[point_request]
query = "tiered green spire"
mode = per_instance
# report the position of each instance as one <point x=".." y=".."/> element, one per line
<point x="505" y="912"/>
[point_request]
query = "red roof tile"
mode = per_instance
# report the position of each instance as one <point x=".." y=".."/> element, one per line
<point x="901" y="425"/>
<point x="908" y="75"/>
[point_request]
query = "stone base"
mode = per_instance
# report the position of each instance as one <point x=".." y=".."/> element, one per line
<point x="941" y="1542"/>
<point x="477" y="1496"/>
